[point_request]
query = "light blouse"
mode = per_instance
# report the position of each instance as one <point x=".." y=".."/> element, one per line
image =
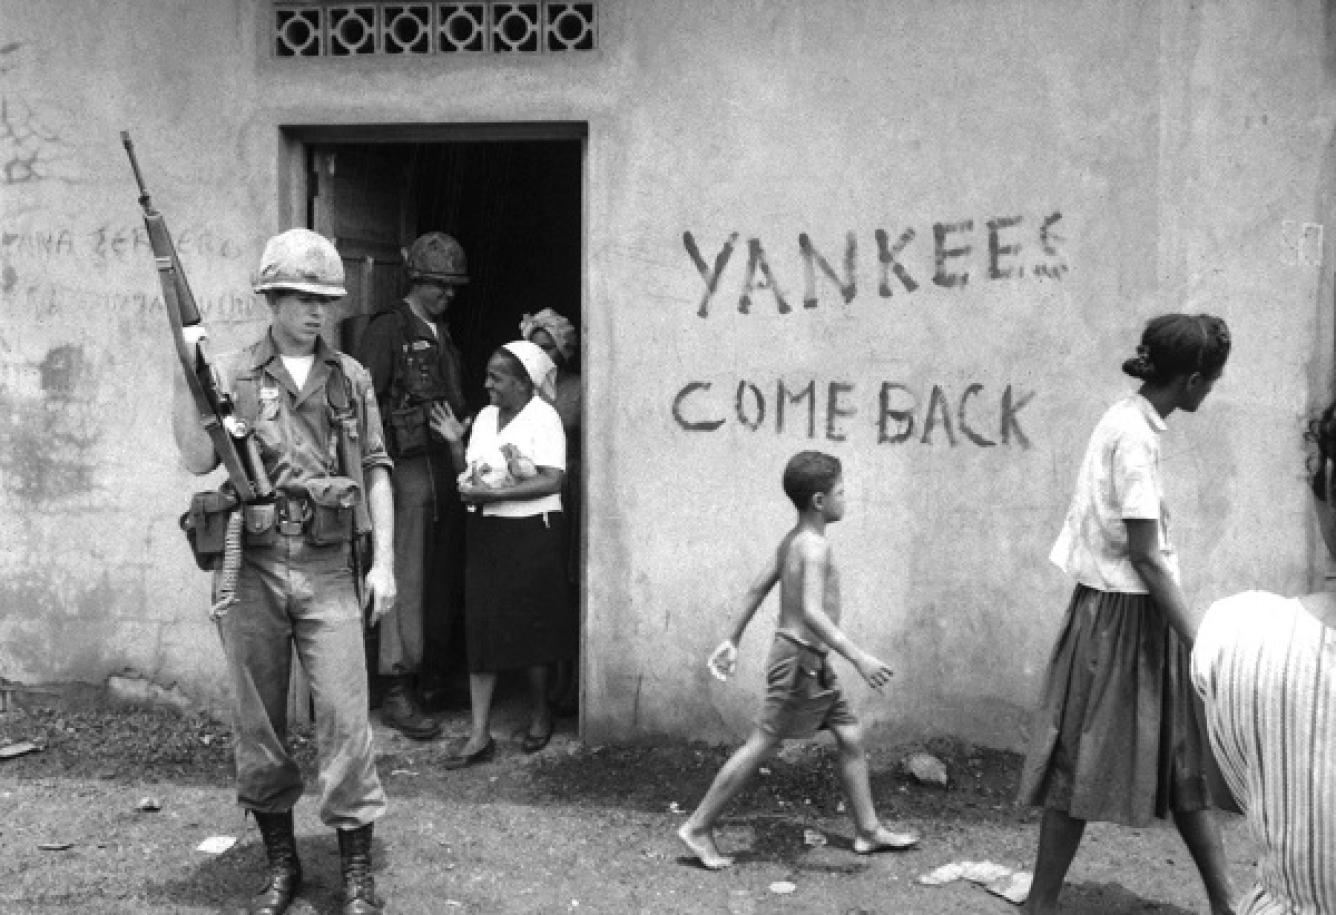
<point x="536" y="431"/>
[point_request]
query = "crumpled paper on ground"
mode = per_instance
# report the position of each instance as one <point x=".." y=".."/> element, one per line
<point x="1013" y="886"/>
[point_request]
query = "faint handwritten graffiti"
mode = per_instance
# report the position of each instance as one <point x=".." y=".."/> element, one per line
<point x="44" y="301"/>
<point x="953" y="253"/>
<point x="1301" y="243"/>
<point x="113" y="242"/>
<point x="898" y="412"/>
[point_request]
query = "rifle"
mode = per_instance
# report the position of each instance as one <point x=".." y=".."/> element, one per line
<point x="233" y="440"/>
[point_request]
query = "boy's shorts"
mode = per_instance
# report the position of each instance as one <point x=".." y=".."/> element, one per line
<point x="802" y="692"/>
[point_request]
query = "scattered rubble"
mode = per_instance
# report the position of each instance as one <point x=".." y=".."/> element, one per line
<point x="216" y="845"/>
<point x="23" y="747"/>
<point x="134" y="688"/>
<point x="926" y="769"/>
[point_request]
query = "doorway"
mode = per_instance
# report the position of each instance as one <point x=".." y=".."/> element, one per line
<point x="512" y="195"/>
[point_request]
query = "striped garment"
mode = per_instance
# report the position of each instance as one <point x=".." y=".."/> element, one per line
<point x="1266" y="669"/>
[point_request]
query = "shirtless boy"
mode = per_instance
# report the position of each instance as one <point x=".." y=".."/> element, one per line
<point x="802" y="693"/>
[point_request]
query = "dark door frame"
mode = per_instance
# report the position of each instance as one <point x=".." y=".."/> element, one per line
<point x="294" y="142"/>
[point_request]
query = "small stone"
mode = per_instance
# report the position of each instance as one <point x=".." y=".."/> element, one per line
<point x="926" y="769"/>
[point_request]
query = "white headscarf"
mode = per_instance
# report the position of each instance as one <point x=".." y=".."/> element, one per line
<point x="541" y="369"/>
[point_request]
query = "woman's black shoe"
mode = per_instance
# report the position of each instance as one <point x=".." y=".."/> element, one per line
<point x="461" y="760"/>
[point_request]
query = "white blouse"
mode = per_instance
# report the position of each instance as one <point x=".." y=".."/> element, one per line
<point x="1119" y="481"/>
<point x="536" y="431"/>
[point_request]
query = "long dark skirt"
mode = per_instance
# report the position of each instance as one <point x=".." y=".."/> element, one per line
<point x="1120" y="734"/>
<point x="517" y="607"/>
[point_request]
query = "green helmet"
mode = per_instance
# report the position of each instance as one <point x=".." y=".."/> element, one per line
<point x="300" y="260"/>
<point x="436" y="257"/>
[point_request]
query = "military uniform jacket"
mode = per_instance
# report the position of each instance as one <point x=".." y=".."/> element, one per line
<point x="295" y="429"/>
<point x="408" y="363"/>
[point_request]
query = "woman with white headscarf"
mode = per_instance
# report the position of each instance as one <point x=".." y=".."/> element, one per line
<point x="515" y="613"/>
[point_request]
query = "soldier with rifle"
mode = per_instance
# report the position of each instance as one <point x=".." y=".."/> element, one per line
<point x="313" y="414"/>
<point x="297" y="428"/>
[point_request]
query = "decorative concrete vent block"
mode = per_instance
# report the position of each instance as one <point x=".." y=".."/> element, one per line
<point x="340" y="28"/>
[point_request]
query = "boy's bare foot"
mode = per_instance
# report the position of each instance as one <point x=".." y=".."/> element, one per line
<point x="882" y="839"/>
<point x="701" y="844"/>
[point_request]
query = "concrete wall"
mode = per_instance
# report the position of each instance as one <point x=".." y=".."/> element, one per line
<point x="923" y="239"/>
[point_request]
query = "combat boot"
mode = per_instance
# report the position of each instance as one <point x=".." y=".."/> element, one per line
<point x="359" y="888"/>
<point x="400" y="711"/>
<point x="285" y="870"/>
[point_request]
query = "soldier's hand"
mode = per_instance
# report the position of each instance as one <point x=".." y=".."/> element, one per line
<point x="194" y="335"/>
<point x="380" y="592"/>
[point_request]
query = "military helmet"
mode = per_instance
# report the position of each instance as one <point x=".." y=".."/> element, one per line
<point x="436" y="257"/>
<point x="300" y="260"/>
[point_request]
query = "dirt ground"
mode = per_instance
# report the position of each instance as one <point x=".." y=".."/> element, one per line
<point x="574" y="828"/>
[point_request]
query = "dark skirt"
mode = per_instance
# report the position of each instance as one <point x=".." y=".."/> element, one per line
<point x="517" y="606"/>
<point x="1119" y="735"/>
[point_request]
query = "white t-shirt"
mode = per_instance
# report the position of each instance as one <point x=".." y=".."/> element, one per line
<point x="1119" y="480"/>
<point x="298" y="367"/>
<point x="536" y="431"/>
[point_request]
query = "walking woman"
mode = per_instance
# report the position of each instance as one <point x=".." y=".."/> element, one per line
<point x="1119" y="736"/>
<point x="517" y="614"/>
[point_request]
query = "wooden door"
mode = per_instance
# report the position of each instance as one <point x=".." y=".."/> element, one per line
<point x="362" y="200"/>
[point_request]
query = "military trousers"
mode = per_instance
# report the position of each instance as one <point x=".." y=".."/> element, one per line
<point x="428" y="562"/>
<point x="295" y="595"/>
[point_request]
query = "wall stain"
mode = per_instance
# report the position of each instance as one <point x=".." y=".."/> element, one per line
<point x="33" y="147"/>
<point x="48" y="443"/>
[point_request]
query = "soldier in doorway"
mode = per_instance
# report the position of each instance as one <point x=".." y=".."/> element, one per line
<point x="313" y="414"/>
<point x="414" y="364"/>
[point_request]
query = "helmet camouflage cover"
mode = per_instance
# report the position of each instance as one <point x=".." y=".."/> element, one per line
<point x="438" y="257"/>
<point x="300" y="260"/>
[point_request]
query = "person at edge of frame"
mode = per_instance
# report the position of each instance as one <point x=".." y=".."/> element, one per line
<point x="414" y="364"/>
<point x="296" y="586"/>
<point x="1265" y="667"/>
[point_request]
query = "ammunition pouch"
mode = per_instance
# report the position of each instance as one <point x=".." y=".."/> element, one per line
<point x="333" y="500"/>
<point x="409" y="434"/>
<point x="261" y="524"/>
<point x="205" y="526"/>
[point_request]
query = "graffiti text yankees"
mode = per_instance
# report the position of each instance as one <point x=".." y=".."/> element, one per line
<point x="1006" y="256"/>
